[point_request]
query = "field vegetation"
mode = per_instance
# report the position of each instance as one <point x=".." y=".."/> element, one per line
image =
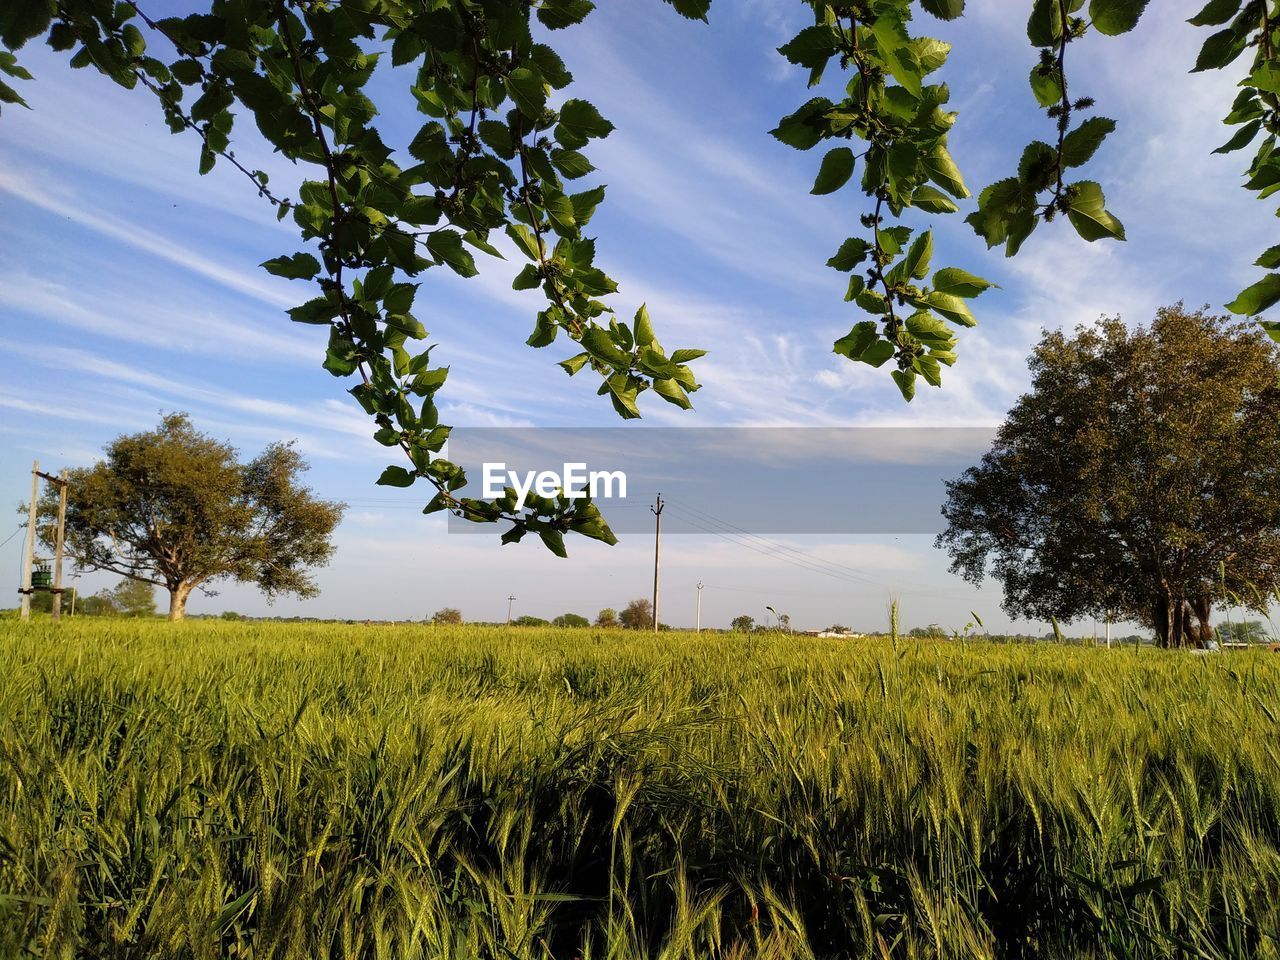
<point x="212" y="789"/>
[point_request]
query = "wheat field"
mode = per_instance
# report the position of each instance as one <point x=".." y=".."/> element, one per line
<point x="326" y="791"/>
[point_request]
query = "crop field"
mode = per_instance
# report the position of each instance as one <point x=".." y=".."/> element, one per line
<point x="269" y="791"/>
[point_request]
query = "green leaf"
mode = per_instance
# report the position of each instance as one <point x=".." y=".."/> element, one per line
<point x="1044" y="26"/>
<point x="396" y="477"/>
<point x="584" y="119"/>
<point x="686" y="356"/>
<point x="585" y="203"/>
<point x="1254" y="299"/>
<point x="804" y="128"/>
<point x="1081" y="143"/>
<point x="811" y="47"/>
<point x="300" y="266"/>
<point x="1270" y="259"/>
<point x="574" y="363"/>
<point x="601" y="346"/>
<point x="916" y="262"/>
<point x="498" y="136"/>
<point x="836" y="169"/>
<point x="1215" y="12"/>
<point x="1114" y="17"/>
<point x="906" y="381"/>
<point x="554" y="541"/>
<point x="1272" y="329"/>
<point x="527" y="89"/>
<point x="559" y="210"/>
<point x="525" y="239"/>
<point x="642" y="327"/>
<point x="571" y="163"/>
<point x="1088" y="216"/>
<point x="943" y="9"/>
<point x="1046" y="84"/>
<point x="959" y="283"/>
<point x="950" y="306"/>
<point x="672" y="392"/>
<point x="21" y="20"/>
<point x="1242" y="137"/>
<point x="851" y="253"/>
<point x="943" y="171"/>
<point x="1220" y="49"/>
<point x="446" y="246"/>
<point x="932" y="200"/>
<point x="528" y="278"/>
<point x="692" y="9"/>
<point x="558" y="14"/>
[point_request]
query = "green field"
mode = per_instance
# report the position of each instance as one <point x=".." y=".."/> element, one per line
<point x="251" y="790"/>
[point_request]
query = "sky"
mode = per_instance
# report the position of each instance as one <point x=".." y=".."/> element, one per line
<point x="129" y="286"/>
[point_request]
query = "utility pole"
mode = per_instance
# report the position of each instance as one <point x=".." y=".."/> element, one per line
<point x="698" y="629"/>
<point x="75" y="590"/>
<point x="1108" y="628"/>
<point x="657" y="550"/>
<point x="510" y="600"/>
<point x="56" y="607"/>
<point x="29" y="550"/>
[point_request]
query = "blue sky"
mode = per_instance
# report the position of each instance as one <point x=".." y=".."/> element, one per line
<point x="129" y="285"/>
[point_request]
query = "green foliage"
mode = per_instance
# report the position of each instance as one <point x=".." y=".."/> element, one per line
<point x="1136" y="479"/>
<point x="174" y="508"/>
<point x="743" y="623"/>
<point x="608" y="617"/>
<point x="899" y="117"/>
<point x="492" y="153"/>
<point x="248" y="789"/>
<point x="447" y="615"/>
<point x="636" y="615"/>
<point x="133" y="598"/>
<point x="528" y="621"/>
<point x="570" y="620"/>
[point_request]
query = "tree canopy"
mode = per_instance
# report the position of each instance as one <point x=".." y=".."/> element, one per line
<point x="174" y="508"/>
<point x="1139" y="477"/>
<point x="502" y="143"/>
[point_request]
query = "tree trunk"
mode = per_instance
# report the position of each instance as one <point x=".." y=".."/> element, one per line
<point x="1203" y="606"/>
<point x="178" y="600"/>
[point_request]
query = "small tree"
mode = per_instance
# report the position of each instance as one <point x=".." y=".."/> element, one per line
<point x="608" y="617"/>
<point x="528" y="621"/>
<point x="447" y="615"/>
<point x="134" y="598"/>
<point x="637" y="615"/>
<point x="743" y="623"/>
<point x="175" y="509"/>
<point x="571" y="620"/>
<point x="837" y="628"/>
<point x="99" y="604"/>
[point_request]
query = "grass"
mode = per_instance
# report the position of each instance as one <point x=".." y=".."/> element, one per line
<point x="267" y="791"/>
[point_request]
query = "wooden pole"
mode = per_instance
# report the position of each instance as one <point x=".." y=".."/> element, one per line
<point x="29" y="551"/>
<point x="698" y="628"/>
<point x="58" y="545"/>
<point x="657" y="550"/>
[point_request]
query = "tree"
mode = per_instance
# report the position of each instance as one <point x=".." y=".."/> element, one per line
<point x="837" y="628"/>
<point x="1246" y="631"/>
<point x="571" y="620"/>
<point x="528" y="621"/>
<point x="743" y="623"/>
<point x="637" y="615"/>
<point x="174" y="508"/>
<point x="134" y="598"/>
<point x="1137" y="478"/>
<point x="100" y="604"/>
<point x="608" y="617"/>
<point x="447" y="615"/>
<point x="495" y="154"/>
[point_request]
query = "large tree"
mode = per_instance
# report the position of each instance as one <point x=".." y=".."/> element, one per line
<point x="501" y="146"/>
<point x="1139" y="477"/>
<point x="175" y="508"/>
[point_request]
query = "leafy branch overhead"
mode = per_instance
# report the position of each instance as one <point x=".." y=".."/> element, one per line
<point x="503" y="142"/>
